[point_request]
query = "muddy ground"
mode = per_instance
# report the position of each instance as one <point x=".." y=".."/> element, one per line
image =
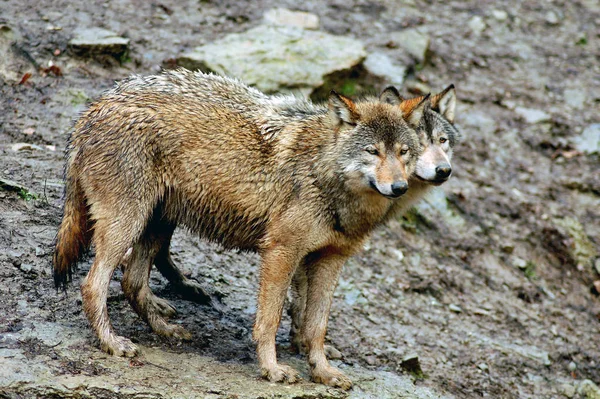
<point x="484" y="285"/>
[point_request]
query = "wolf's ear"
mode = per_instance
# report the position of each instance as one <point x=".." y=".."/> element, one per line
<point x="445" y="103"/>
<point x="413" y="109"/>
<point x="343" y="109"/>
<point x="390" y="96"/>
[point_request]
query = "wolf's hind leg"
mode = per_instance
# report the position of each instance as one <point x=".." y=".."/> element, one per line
<point x="187" y="288"/>
<point x="94" y="289"/>
<point x="135" y="286"/>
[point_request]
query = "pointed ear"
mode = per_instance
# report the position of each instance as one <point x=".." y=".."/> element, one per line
<point x="445" y="103"/>
<point x="413" y="109"/>
<point x="343" y="109"/>
<point x="390" y="96"/>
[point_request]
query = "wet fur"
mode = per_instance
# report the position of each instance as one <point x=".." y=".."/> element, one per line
<point x="245" y="170"/>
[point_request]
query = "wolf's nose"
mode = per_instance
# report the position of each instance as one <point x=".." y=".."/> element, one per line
<point x="399" y="188"/>
<point x="443" y="171"/>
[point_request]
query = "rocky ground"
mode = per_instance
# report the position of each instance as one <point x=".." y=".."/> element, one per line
<point x="492" y="282"/>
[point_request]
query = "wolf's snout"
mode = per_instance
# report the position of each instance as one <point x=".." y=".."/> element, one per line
<point x="399" y="188"/>
<point x="443" y="171"/>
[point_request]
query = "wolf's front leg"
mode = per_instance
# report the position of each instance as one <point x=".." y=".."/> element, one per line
<point x="323" y="276"/>
<point x="278" y="266"/>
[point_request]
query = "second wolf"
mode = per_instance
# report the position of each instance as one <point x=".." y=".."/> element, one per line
<point x="275" y="175"/>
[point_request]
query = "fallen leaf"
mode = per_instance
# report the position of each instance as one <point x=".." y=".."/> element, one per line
<point x="25" y="78"/>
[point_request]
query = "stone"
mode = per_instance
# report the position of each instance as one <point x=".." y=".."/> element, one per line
<point x="500" y="15"/>
<point x="483" y="367"/>
<point x="98" y="42"/>
<point x="520" y="263"/>
<point x="9" y="185"/>
<point x="579" y="248"/>
<point x="572" y="366"/>
<point x="552" y="18"/>
<point x="414" y="42"/>
<point x="568" y="390"/>
<point x="277" y="58"/>
<point x="532" y="116"/>
<point x="455" y="308"/>
<point x="575" y="97"/>
<point x="588" y="390"/>
<point x="299" y="19"/>
<point x="477" y="25"/>
<point x="382" y="66"/>
<point x="589" y="140"/>
<point x="15" y="62"/>
<point x="411" y="364"/>
<point x="16" y="147"/>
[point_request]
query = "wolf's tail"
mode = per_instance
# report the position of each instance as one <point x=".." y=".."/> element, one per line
<point x="74" y="235"/>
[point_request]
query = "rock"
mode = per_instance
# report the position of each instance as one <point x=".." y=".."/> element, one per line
<point x="483" y="367"/>
<point x="398" y="253"/>
<point x="26" y="267"/>
<point x="98" y="43"/>
<point x="16" y="147"/>
<point x="477" y="25"/>
<point x="434" y="208"/>
<point x="588" y="390"/>
<point x="589" y="140"/>
<point x="411" y="364"/>
<point x="39" y="251"/>
<point x="500" y="15"/>
<point x="531" y="115"/>
<point x="575" y="97"/>
<point x="382" y="66"/>
<point x="299" y="19"/>
<point x="9" y="185"/>
<point x="415" y="43"/>
<point x="455" y="308"/>
<point x="276" y="58"/>
<point x="572" y="366"/>
<point x="578" y="247"/>
<point x="520" y="263"/>
<point x="568" y="390"/>
<point x="552" y="18"/>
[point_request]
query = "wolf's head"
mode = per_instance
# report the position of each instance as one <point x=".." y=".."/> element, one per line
<point x="438" y="137"/>
<point x="379" y="143"/>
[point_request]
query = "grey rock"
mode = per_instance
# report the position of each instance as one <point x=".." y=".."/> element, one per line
<point x="276" y="58"/>
<point x="26" y="267"/>
<point x="500" y="15"/>
<point x="568" y="390"/>
<point x="93" y="42"/>
<point x="589" y="140"/>
<point x="519" y="262"/>
<point x="9" y="185"/>
<point x="14" y="64"/>
<point x="531" y="115"/>
<point x="588" y="390"/>
<point x="580" y="248"/>
<point x="382" y="66"/>
<point x="414" y="42"/>
<point x="575" y="97"/>
<point x="285" y="17"/>
<point x="39" y="251"/>
<point x="552" y="18"/>
<point x="483" y="367"/>
<point x="411" y="364"/>
<point x="572" y="366"/>
<point x="477" y="25"/>
<point x="455" y="308"/>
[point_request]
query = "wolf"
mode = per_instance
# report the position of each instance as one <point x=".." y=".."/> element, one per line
<point x="438" y="137"/>
<point x="276" y="175"/>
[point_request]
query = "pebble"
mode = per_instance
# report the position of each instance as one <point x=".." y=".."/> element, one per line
<point x="379" y="64"/>
<point x="572" y="366"/>
<point x="26" y="267"/>
<point x="520" y="263"/>
<point x="589" y="140"/>
<point x="477" y="25"/>
<point x="39" y="251"/>
<point x="552" y="18"/>
<point x="455" y="308"/>
<point x="500" y="15"/>
<point x="483" y="367"/>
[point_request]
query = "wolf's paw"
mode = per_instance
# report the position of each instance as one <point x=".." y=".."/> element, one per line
<point x="161" y="306"/>
<point x="192" y="291"/>
<point x="332" y="353"/>
<point x="332" y="377"/>
<point x="281" y="373"/>
<point x="120" y="346"/>
<point x="173" y="331"/>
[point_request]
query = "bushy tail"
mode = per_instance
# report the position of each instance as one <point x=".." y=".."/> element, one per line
<point x="74" y="235"/>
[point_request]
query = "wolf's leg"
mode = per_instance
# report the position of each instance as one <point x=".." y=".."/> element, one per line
<point x="94" y="289"/>
<point x="187" y="288"/>
<point x="278" y="264"/>
<point x="135" y="286"/>
<point x="323" y="276"/>
<point x="297" y="307"/>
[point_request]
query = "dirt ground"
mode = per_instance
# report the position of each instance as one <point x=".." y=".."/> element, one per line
<point x="483" y="286"/>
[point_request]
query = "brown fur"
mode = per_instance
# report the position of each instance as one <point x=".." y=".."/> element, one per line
<point x="240" y="168"/>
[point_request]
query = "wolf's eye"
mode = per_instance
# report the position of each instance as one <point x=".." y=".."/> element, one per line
<point x="404" y="151"/>
<point x="371" y="150"/>
<point x="443" y="140"/>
